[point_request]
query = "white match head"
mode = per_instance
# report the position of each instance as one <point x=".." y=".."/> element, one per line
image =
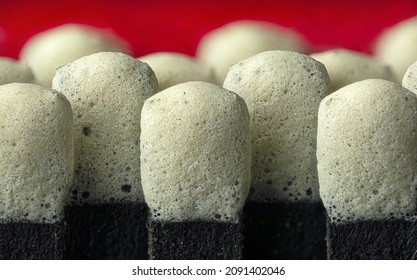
<point x="48" y="50"/>
<point x="367" y="152"/>
<point x="36" y="153"/>
<point x="195" y="153"/>
<point x="11" y="71"/>
<point x="409" y="80"/>
<point x="107" y="91"/>
<point x="283" y="91"/>
<point x="239" y="40"/>
<point x="396" y="46"/>
<point x="345" y="67"/>
<point x="174" y="68"/>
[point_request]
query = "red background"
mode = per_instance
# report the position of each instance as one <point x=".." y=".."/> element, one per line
<point x="164" y="25"/>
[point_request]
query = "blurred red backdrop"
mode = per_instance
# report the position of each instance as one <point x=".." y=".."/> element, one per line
<point x="164" y="25"/>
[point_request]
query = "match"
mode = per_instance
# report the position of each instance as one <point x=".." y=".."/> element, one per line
<point x="284" y="217"/>
<point x="195" y="158"/>
<point x="36" y="171"/>
<point x="367" y="166"/>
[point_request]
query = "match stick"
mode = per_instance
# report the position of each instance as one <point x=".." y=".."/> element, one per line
<point x="36" y="171"/>
<point x="107" y="217"/>
<point x="195" y="162"/>
<point x="367" y="166"/>
<point x="284" y="217"/>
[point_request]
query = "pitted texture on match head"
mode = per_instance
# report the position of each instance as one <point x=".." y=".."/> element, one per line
<point x="174" y="68"/>
<point x="367" y="152"/>
<point x="107" y="91"/>
<point x="345" y="67"/>
<point x="36" y="153"/>
<point x="195" y="153"/>
<point x="410" y="78"/>
<point x="48" y="50"/>
<point x="11" y="71"/>
<point x="242" y="39"/>
<point x="283" y="91"/>
<point x="396" y="46"/>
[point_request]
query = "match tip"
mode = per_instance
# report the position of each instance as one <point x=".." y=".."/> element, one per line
<point x="195" y="153"/>
<point x="36" y="148"/>
<point x="367" y="152"/>
<point x="107" y="91"/>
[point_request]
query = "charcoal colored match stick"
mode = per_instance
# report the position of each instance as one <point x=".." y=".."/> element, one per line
<point x="195" y="161"/>
<point x="367" y="166"/>
<point x="107" y="217"/>
<point x="284" y="216"/>
<point x="36" y="171"/>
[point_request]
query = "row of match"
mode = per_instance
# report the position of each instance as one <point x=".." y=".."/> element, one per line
<point x="271" y="165"/>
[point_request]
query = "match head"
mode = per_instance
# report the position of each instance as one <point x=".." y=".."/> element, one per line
<point x="283" y="91"/>
<point x="242" y="39"/>
<point x="395" y="46"/>
<point x="36" y="153"/>
<point x="195" y="153"/>
<point x="107" y="91"/>
<point x="345" y="67"/>
<point x="174" y="68"/>
<point x="367" y="152"/>
<point x="11" y="71"/>
<point x="48" y="50"/>
<point x="409" y="80"/>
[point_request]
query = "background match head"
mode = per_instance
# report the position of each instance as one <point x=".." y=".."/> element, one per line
<point x="242" y="39"/>
<point x="57" y="46"/>
<point x="175" y="68"/>
<point x="12" y="71"/>
<point x="395" y="46"/>
<point x="345" y="67"/>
